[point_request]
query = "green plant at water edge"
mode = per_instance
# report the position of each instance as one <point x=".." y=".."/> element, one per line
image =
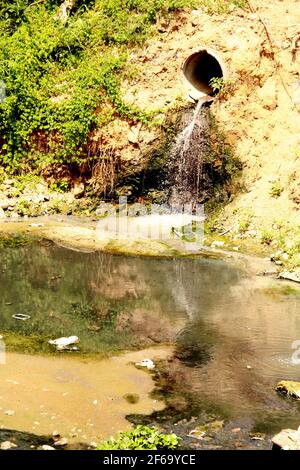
<point x="221" y="87"/>
<point x="141" y="438"/>
<point x="221" y="6"/>
<point x="276" y="189"/>
<point x="267" y="236"/>
<point x="217" y="84"/>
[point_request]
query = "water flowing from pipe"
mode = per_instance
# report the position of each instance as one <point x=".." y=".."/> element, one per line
<point x="187" y="158"/>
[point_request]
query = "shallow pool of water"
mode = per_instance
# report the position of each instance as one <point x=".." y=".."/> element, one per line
<point x="232" y="330"/>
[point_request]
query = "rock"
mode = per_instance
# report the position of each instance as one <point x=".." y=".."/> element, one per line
<point x="217" y="244"/>
<point x="6" y="445"/>
<point x="55" y="434"/>
<point x="289" y="388"/>
<point x="210" y="428"/>
<point x="257" y="436"/>
<point x="5" y="203"/>
<point x="62" y="442"/>
<point x="9" y="412"/>
<point x="134" y="134"/>
<point x="78" y="190"/>
<point x="290" y="276"/>
<point x="287" y="439"/>
<point x="45" y="447"/>
<point x="2" y="214"/>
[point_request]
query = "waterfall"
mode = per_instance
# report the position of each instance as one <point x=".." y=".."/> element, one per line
<point x="187" y="158"/>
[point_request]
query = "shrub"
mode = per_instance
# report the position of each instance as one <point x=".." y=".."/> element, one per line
<point x="141" y="438"/>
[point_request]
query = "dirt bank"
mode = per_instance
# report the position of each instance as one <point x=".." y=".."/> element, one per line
<point x="259" y="114"/>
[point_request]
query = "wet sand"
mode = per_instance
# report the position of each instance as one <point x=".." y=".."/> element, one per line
<point x="82" y="399"/>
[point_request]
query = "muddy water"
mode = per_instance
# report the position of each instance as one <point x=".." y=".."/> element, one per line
<point x="232" y="332"/>
<point x="84" y="400"/>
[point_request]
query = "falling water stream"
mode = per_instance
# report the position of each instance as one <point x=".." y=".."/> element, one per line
<point x="187" y="157"/>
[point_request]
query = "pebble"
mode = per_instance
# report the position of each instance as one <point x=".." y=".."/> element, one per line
<point x="235" y="430"/>
<point x="62" y="442"/>
<point x="9" y="412"/>
<point x="6" y="445"/>
<point x="45" y="447"/>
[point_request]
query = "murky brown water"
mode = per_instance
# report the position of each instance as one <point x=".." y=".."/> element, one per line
<point x="83" y="399"/>
<point x="235" y="332"/>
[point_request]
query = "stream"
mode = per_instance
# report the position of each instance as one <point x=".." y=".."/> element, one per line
<point x="229" y="331"/>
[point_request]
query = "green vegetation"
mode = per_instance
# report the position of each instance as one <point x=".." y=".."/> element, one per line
<point x="276" y="189"/>
<point x="141" y="438"/>
<point x="62" y="78"/>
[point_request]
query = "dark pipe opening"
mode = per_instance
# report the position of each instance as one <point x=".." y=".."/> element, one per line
<point x="200" y="68"/>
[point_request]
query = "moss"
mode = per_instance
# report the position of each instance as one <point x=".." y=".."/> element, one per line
<point x="18" y="239"/>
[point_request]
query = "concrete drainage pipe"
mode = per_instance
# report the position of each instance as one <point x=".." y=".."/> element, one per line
<point x="198" y="69"/>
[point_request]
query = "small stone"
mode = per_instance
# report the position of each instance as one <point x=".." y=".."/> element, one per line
<point x="9" y="412"/>
<point x="134" y="134"/>
<point x="249" y="367"/>
<point x="55" y="433"/>
<point x="257" y="436"/>
<point x="235" y="430"/>
<point x="62" y="442"/>
<point x="217" y="244"/>
<point x="45" y="447"/>
<point x="6" y="445"/>
<point x="289" y="388"/>
<point x="95" y="402"/>
<point x="2" y="214"/>
<point x="78" y="190"/>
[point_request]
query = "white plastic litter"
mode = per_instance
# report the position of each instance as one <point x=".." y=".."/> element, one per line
<point x="148" y="363"/>
<point x="21" y="316"/>
<point x="64" y="343"/>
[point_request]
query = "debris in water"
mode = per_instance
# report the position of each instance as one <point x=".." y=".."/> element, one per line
<point x="64" y="343"/>
<point x="148" y="363"/>
<point x="21" y="316"/>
